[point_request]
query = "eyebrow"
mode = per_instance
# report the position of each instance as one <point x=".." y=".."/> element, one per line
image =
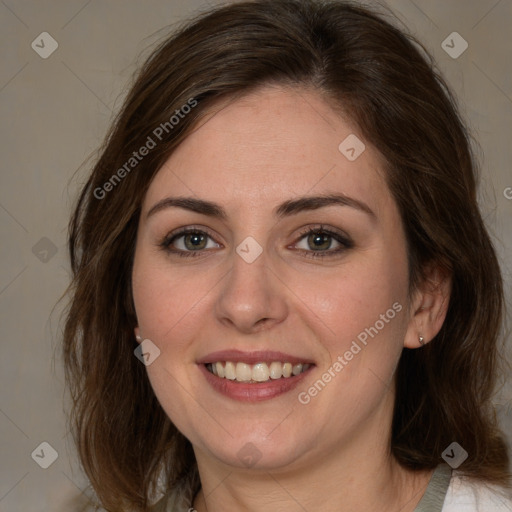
<point x="286" y="209"/>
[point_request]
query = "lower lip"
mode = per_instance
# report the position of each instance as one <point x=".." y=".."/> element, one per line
<point x="254" y="392"/>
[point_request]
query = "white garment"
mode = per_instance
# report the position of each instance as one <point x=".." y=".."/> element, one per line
<point x="464" y="495"/>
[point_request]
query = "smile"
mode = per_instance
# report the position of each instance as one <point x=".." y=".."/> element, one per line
<point x="254" y="373"/>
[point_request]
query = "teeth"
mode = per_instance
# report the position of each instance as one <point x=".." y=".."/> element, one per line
<point x="220" y="369"/>
<point x="230" y="370"/>
<point x="243" y="372"/>
<point x="297" y="369"/>
<point x="260" y="372"/>
<point x="276" y="370"/>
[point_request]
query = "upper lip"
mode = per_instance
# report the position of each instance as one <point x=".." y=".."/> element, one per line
<point x="252" y="357"/>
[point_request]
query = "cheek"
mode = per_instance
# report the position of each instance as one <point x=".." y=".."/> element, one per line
<point x="166" y="301"/>
<point x="168" y="311"/>
<point x="362" y="307"/>
<point x="353" y="297"/>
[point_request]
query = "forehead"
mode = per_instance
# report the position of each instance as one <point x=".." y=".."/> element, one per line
<point x="274" y="143"/>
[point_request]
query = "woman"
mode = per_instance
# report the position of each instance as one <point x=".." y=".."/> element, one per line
<point x="284" y="295"/>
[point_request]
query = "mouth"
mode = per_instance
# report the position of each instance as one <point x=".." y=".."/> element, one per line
<point x="254" y="373"/>
<point x="253" y="376"/>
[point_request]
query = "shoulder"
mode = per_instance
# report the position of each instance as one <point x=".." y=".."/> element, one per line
<point x="177" y="500"/>
<point x="171" y="503"/>
<point x="180" y="497"/>
<point x="468" y="495"/>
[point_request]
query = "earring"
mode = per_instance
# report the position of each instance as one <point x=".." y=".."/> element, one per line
<point x="421" y="341"/>
<point x="138" y="338"/>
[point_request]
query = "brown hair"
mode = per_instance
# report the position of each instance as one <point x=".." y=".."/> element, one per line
<point x="385" y="82"/>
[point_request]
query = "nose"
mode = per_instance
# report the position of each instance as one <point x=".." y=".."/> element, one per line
<point x="251" y="299"/>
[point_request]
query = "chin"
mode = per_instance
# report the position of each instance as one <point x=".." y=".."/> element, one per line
<point x="250" y="450"/>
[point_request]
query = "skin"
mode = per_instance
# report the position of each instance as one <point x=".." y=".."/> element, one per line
<point x="250" y="155"/>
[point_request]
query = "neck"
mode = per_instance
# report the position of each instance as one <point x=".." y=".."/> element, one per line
<point x="357" y="474"/>
<point x="390" y="490"/>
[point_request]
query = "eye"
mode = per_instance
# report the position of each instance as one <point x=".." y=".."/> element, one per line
<point x="320" y="242"/>
<point x="314" y="242"/>
<point x="188" y="242"/>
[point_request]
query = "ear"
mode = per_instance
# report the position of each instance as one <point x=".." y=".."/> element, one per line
<point x="429" y="307"/>
<point x="138" y="337"/>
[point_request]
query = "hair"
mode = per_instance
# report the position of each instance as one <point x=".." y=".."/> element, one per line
<point x="385" y="82"/>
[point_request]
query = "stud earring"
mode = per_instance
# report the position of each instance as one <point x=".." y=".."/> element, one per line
<point x="421" y="341"/>
<point x="138" y="338"/>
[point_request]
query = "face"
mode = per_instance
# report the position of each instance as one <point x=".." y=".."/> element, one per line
<point x="293" y="252"/>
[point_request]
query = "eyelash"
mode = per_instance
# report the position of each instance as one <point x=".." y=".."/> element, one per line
<point x="344" y="240"/>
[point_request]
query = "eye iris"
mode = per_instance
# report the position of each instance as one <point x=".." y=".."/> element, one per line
<point x="195" y="241"/>
<point x="319" y="240"/>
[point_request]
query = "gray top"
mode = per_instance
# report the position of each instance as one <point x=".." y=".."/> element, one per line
<point x="432" y="500"/>
<point x="435" y="494"/>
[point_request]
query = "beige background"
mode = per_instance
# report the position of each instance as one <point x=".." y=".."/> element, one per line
<point x="54" y="113"/>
